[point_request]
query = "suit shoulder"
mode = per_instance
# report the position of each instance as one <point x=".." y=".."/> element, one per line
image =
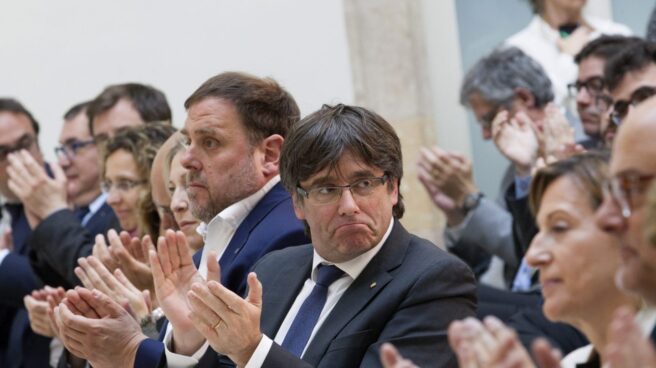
<point x="284" y="256"/>
<point x="423" y="254"/>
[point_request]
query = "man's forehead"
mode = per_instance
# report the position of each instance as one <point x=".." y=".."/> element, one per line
<point x="592" y="66"/>
<point x="14" y="126"/>
<point x="634" y="148"/>
<point x="75" y="129"/>
<point x="631" y="81"/>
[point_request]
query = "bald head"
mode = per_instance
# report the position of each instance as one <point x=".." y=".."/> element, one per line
<point x="158" y="180"/>
<point x="634" y="146"/>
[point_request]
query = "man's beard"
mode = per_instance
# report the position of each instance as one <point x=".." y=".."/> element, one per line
<point x="238" y="186"/>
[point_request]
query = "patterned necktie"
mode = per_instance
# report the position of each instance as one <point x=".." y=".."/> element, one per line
<point x="308" y="315"/>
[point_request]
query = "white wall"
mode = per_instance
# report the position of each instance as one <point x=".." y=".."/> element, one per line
<point x="54" y="54"/>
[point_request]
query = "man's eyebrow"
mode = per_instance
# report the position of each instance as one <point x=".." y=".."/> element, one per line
<point x="21" y="138"/>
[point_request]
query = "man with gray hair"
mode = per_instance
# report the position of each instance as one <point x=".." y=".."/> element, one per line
<point x="509" y="94"/>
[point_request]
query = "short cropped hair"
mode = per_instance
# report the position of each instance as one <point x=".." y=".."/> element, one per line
<point x="76" y="110"/>
<point x="12" y="105"/>
<point x="142" y="142"/>
<point x="496" y="76"/>
<point x="634" y="57"/>
<point x="320" y="139"/>
<point x="588" y="170"/>
<point x="265" y="108"/>
<point x="150" y="103"/>
<point x="604" y="47"/>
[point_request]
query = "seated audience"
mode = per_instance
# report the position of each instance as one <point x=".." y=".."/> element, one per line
<point x="234" y="132"/>
<point x="363" y="281"/>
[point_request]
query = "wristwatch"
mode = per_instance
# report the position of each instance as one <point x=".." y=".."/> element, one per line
<point x="471" y="201"/>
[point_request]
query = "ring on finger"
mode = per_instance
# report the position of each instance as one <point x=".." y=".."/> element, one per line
<point x="217" y="324"/>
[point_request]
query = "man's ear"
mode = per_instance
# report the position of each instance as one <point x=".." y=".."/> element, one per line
<point x="298" y="206"/>
<point x="270" y="149"/>
<point x="525" y="97"/>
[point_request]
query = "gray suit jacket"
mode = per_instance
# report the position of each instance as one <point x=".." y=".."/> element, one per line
<point x="407" y="295"/>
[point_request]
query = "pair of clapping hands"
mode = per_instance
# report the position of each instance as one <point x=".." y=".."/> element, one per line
<point x="101" y="325"/>
<point x="529" y="144"/>
<point x="492" y="344"/>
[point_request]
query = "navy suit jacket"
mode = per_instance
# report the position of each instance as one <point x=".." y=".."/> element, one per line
<point x="407" y="295"/>
<point x="271" y="225"/>
<point x="24" y="348"/>
<point x="60" y="239"/>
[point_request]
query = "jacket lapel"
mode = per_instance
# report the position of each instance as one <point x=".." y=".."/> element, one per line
<point x="261" y="209"/>
<point x="281" y="291"/>
<point x="361" y="292"/>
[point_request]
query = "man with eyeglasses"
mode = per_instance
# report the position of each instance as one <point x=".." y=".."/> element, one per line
<point x="631" y="78"/>
<point x="19" y="345"/>
<point x="622" y="214"/>
<point x="67" y="211"/>
<point x="589" y="89"/>
<point x="363" y="281"/>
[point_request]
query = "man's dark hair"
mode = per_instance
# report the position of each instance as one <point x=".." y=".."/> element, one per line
<point x="76" y="110"/>
<point x="149" y="102"/>
<point x="320" y="139"/>
<point x="604" y="47"/>
<point x="634" y="57"/>
<point x="265" y="108"/>
<point x="537" y="6"/>
<point x="12" y="105"/>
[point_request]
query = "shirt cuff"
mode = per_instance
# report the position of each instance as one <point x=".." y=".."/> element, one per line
<point x="3" y="254"/>
<point x="260" y="353"/>
<point x="454" y="233"/>
<point x="174" y="360"/>
<point x="522" y="184"/>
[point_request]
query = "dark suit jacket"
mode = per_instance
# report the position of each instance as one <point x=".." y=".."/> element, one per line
<point x="271" y="225"/>
<point x="407" y="295"/>
<point x="24" y="347"/>
<point x="59" y="240"/>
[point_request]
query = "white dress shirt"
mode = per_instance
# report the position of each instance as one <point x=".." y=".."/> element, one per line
<point x="216" y="235"/>
<point x="539" y="41"/>
<point x="352" y="270"/>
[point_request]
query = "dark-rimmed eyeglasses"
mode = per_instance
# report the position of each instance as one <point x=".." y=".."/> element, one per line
<point x="330" y="194"/>
<point x="594" y="85"/>
<point x="24" y="142"/>
<point x="621" y="107"/>
<point x="627" y="190"/>
<point x="69" y="150"/>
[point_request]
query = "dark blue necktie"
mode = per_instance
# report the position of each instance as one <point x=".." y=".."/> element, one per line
<point x="303" y="324"/>
<point x="80" y="212"/>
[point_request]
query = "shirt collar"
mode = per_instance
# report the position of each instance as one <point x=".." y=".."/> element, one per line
<point x="355" y="266"/>
<point x="95" y="205"/>
<point x="234" y="214"/>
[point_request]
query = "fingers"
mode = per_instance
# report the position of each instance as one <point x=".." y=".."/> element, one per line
<point x="206" y="307"/>
<point x="101" y="303"/>
<point x="58" y="172"/>
<point x="163" y="255"/>
<point x="545" y="355"/>
<point x="184" y="254"/>
<point x="254" y="290"/>
<point x="213" y="269"/>
<point x="388" y="355"/>
<point x="78" y="305"/>
<point x="174" y="243"/>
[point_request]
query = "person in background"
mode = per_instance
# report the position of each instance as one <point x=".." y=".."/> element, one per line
<point x="180" y="206"/>
<point x="557" y="32"/>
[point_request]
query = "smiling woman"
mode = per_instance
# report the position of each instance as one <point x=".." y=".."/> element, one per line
<point x="127" y="159"/>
